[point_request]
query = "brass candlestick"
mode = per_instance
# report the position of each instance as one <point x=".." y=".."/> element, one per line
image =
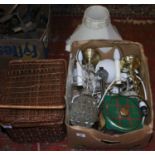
<point x="91" y="56"/>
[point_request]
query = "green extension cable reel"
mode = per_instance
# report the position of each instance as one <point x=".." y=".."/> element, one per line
<point x="121" y="113"/>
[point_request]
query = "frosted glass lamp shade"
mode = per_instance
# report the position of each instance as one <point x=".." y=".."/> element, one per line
<point x="96" y="24"/>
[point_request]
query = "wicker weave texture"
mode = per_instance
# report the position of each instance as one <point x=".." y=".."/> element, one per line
<point x="51" y="133"/>
<point x="35" y="83"/>
<point x="32" y="107"/>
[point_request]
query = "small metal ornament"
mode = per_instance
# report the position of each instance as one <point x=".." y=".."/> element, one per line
<point x="103" y="75"/>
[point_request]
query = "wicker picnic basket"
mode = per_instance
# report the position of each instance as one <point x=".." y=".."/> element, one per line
<point x="32" y="106"/>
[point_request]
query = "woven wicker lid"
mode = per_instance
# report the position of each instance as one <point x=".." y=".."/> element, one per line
<point x="34" y="91"/>
<point x="35" y="84"/>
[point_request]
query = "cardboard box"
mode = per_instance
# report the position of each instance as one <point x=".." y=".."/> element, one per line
<point x="91" y="138"/>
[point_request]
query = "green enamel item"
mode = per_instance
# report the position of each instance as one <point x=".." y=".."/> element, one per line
<point x="121" y="113"/>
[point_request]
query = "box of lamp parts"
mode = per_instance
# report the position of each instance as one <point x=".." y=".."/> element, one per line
<point x="108" y="96"/>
